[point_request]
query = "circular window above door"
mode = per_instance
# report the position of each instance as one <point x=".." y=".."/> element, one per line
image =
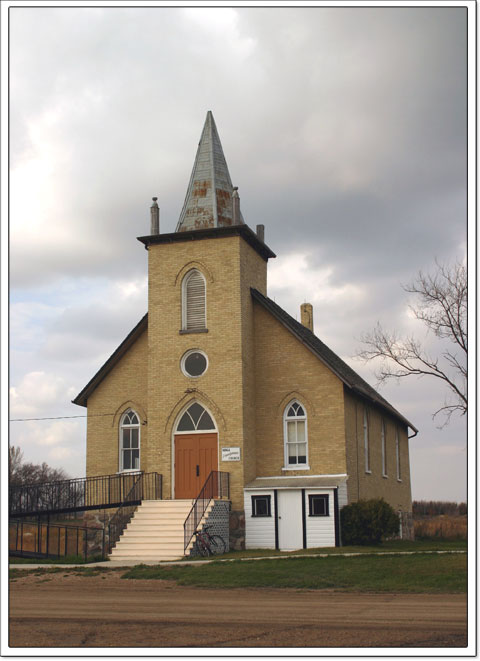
<point x="194" y="363"/>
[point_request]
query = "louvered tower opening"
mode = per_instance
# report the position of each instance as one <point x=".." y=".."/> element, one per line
<point x="194" y="301"/>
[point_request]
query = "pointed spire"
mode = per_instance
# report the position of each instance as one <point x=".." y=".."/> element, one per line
<point x="209" y="201"/>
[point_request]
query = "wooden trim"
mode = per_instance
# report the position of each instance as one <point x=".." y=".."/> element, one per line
<point x="336" y="514"/>
<point x="275" y="504"/>
<point x="304" y="521"/>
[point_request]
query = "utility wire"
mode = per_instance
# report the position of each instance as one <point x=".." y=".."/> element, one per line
<point x="61" y="417"/>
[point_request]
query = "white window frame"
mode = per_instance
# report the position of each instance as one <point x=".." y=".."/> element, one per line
<point x="286" y="419"/>
<point x="384" y="450"/>
<point x="366" y="442"/>
<point x="184" y="302"/>
<point x="397" y="452"/>
<point x="121" y="449"/>
<point x="184" y="358"/>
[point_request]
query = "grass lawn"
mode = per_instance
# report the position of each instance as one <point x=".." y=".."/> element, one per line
<point x="394" y="573"/>
<point x="394" y="545"/>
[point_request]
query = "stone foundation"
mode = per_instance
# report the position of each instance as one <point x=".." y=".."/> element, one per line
<point x="217" y="522"/>
<point x="237" y="530"/>
<point x="97" y="521"/>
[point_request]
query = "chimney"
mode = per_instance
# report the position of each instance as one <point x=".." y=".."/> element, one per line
<point x="306" y="315"/>
<point x="261" y="233"/>
<point x="235" y="207"/>
<point x="154" y="217"/>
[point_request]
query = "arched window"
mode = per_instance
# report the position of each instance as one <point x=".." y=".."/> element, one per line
<point x="196" y="418"/>
<point x="295" y="435"/>
<point x="130" y="441"/>
<point x="193" y="301"/>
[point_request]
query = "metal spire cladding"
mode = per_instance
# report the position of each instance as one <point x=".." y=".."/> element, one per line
<point x="209" y="201"/>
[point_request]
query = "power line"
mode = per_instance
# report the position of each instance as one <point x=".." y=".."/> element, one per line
<point x="62" y="417"/>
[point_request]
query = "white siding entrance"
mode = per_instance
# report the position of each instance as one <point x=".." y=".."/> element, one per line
<point x="291" y="513"/>
<point x="290" y="522"/>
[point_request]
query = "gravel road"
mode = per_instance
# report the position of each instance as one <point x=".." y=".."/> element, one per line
<point x="64" y="610"/>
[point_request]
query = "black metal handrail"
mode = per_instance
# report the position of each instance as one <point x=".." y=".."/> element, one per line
<point x="78" y="494"/>
<point x="36" y="539"/>
<point x="217" y="485"/>
<point x="148" y="486"/>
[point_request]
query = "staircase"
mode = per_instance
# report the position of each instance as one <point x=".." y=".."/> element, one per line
<point x="155" y="532"/>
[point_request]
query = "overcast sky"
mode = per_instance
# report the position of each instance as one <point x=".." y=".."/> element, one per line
<point x="344" y="129"/>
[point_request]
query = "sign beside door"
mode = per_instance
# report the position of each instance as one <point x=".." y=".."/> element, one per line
<point x="230" y="454"/>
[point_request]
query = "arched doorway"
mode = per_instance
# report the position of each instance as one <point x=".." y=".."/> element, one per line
<point x="196" y="450"/>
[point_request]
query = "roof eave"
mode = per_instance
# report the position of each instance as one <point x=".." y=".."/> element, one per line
<point x="386" y="407"/>
<point x="82" y="397"/>
<point x="212" y="233"/>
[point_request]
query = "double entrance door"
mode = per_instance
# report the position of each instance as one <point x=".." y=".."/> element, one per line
<point x="195" y="456"/>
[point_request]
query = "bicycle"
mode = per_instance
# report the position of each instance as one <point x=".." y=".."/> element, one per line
<point x="207" y="544"/>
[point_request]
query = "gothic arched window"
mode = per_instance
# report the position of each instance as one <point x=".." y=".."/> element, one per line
<point x="295" y="435"/>
<point x="196" y="418"/>
<point x="194" y="301"/>
<point x="130" y="441"/>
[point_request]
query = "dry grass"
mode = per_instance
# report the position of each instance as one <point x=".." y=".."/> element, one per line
<point x="441" y="527"/>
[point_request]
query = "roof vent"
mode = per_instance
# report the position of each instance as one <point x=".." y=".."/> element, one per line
<point x="235" y="207"/>
<point x="261" y="233"/>
<point x="306" y="315"/>
<point x="154" y="217"/>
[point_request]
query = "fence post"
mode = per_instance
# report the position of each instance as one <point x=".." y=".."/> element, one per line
<point x="48" y="533"/>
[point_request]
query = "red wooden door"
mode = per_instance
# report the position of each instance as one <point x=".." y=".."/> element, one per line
<point x="195" y="456"/>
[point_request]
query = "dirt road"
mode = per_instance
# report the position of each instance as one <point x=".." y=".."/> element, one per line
<point x="60" y="610"/>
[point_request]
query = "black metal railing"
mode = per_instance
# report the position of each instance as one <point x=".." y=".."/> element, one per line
<point x="217" y="485"/>
<point x="147" y="486"/>
<point x="34" y="539"/>
<point x="83" y="493"/>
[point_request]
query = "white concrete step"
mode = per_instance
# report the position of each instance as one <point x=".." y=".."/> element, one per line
<point x="155" y="532"/>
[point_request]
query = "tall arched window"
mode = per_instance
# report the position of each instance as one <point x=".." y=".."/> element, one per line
<point x="295" y="436"/>
<point x="130" y="441"/>
<point x="194" y="301"/>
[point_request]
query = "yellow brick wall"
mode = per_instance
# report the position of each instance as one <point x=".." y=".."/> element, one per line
<point x="230" y="267"/>
<point x="253" y="274"/>
<point x="363" y="485"/>
<point x="125" y="386"/>
<point x="256" y="367"/>
<point x="285" y="370"/>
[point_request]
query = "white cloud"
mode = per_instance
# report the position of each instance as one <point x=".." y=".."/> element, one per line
<point x="293" y="273"/>
<point x="39" y="394"/>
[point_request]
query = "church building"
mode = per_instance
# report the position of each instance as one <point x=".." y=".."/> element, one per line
<point x="218" y="377"/>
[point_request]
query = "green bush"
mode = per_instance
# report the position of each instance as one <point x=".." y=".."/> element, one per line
<point x="368" y="522"/>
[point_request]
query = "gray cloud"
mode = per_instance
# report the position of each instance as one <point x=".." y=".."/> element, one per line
<point x="344" y="128"/>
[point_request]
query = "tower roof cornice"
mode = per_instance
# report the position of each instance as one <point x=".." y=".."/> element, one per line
<point x="212" y="233"/>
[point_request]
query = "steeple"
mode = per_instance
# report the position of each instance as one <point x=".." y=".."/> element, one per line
<point x="210" y="201"/>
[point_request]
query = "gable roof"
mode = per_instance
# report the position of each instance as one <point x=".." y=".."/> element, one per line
<point x="345" y="373"/>
<point x="109" y="364"/>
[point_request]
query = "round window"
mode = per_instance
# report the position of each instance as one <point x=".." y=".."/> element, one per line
<point x="194" y="363"/>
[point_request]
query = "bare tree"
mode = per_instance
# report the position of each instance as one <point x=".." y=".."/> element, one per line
<point x="27" y="473"/>
<point x="441" y="304"/>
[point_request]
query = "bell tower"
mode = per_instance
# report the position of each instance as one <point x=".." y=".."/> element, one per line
<point x="201" y="309"/>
